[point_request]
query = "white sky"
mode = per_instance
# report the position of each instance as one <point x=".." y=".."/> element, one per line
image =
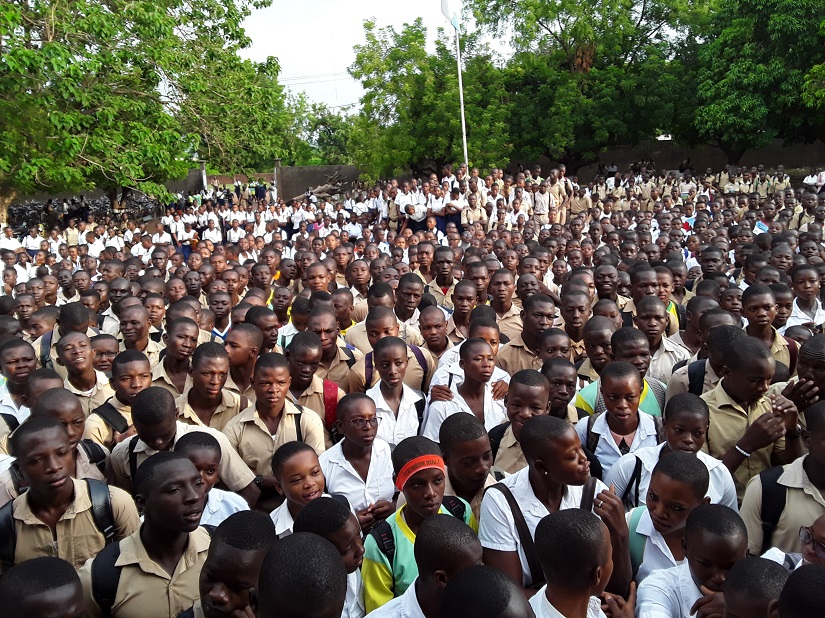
<point x="314" y="39"/>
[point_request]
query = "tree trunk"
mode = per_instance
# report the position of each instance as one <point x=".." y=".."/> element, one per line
<point x="124" y="196"/>
<point x="575" y="161"/>
<point x="733" y="153"/>
<point x="5" y="201"/>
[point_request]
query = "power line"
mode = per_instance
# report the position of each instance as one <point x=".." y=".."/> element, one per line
<point x="302" y="77"/>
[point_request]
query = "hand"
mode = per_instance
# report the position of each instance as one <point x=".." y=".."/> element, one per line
<point x="609" y="507"/>
<point x="803" y="393"/>
<point x="441" y="392"/>
<point x="120" y="437"/>
<point x="381" y="510"/>
<point x="500" y="389"/>
<point x="365" y="518"/>
<point x="711" y="605"/>
<point x="615" y="606"/>
<point x="766" y="430"/>
<point x="786" y="410"/>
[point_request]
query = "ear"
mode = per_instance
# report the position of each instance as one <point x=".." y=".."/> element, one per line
<point x="706" y="500"/>
<point x="441" y="579"/>
<point x="596" y="577"/>
<point x="773" y="609"/>
<point x="684" y="546"/>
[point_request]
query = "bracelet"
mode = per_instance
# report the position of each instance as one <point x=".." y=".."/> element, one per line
<point x="742" y="451"/>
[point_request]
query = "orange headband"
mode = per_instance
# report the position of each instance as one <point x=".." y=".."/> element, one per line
<point x="424" y="462"/>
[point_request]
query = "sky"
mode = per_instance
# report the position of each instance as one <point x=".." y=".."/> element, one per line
<point x="313" y="40"/>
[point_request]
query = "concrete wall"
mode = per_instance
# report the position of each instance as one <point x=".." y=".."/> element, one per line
<point x="294" y="181"/>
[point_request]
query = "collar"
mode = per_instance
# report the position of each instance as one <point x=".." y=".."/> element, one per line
<point x="100" y="382"/>
<point x="80" y="503"/>
<point x="133" y="552"/>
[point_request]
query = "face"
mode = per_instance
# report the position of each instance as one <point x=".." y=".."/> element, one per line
<point x="303" y="363"/>
<point x="750" y="381"/>
<point x="479" y="364"/>
<point x="652" y="321"/>
<point x="271" y="386"/>
<point x="564" y="460"/>
<point x="301" y="480"/>
<point x="424" y="492"/>
<point x="562" y="387"/>
<point x="669" y="503"/>
<point x="133" y="325"/>
<point x="636" y="352"/>
<point x="176" y="501"/>
<point x="710" y="557"/>
<point x="409" y="296"/>
<point x="433" y="328"/>
<point x="556" y="346"/>
<point x="784" y="308"/>
<point x="386" y="327"/>
<point x="104" y="352"/>
<point x="621" y="397"/>
<point x="538" y="319"/>
<point x="156" y="309"/>
<point x="575" y="309"/>
<point x="686" y="432"/>
<point x="228" y="580"/>
<point x="131" y="379"/>
<point x="470" y="461"/>
<point x="209" y="376"/>
<point x="391" y="365"/>
<point x="47" y="461"/>
<point x="347" y="541"/>
<point x="523" y="402"/>
<point x="806" y="284"/>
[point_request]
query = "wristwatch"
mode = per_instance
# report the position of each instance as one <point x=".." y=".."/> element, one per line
<point x="795" y="434"/>
<point x="259" y="480"/>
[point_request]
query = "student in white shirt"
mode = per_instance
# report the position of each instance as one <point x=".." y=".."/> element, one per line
<point x="678" y="485"/>
<point x="161" y="237"/>
<point x="397" y="405"/>
<point x="576" y="558"/>
<point x="686" y="422"/>
<point x="360" y="466"/>
<point x="753" y="586"/>
<point x="483" y="591"/>
<point x="331" y="519"/>
<point x="621" y="429"/>
<point x="299" y="479"/>
<point x="444" y="547"/>
<point x="555" y="478"/>
<point x="715" y="539"/>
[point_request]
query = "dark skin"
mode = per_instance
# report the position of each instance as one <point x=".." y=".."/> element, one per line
<point x="478" y="367"/>
<point x="710" y="557"/>
<point x="538" y="319"/>
<point x="468" y="464"/>
<point x="303" y="363"/>
<point x="228" y="581"/>
<point x="300" y="481"/>
<point x="18" y="363"/>
<point x="523" y="402"/>
<point x="181" y="341"/>
<point x="74" y="352"/>
<point x="326" y="327"/>
<point x="502" y="287"/>
<point x="391" y="365"/>
<point x="271" y="386"/>
<point x="134" y="325"/>
<point x="357" y="449"/>
<point x="669" y="504"/>
<point x="172" y="506"/>
<point x="242" y="356"/>
<point x="562" y="388"/>
<point x="464" y="301"/>
<point x="423" y="492"/>
<point x="208" y="379"/>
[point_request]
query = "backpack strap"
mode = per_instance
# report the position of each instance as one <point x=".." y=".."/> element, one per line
<point x="95" y="453"/>
<point x="588" y="494"/>
<point x="299" y="434"/>
<point x="524" y="536"/>
<point x="11" y="420"/>
<point x="774" y="498"/>
<point x="350" y="356"/>
<point x="627" y="318"/>
<point x="496" y="434"/>
<point x="657" y="388"/>
<point x="419" y="410"/>
<point x="368" y="369"/>
<point x="793" y="350"/>
<point x="696" y="376"/>
<point x="419" y="356"/>
<point x="106" y="578"/>
<point x="45" y="350"/>
<point x="8" y="536"/>
<point x="384" y="539"/>
<point x="102" y="508"/>
<point x="637" y="541"/>
<point x="112" y="417"/>
<point x="455" y="506"/>
<point x="331" y="408"/>
<point x="592" y="439"/>
<point x="630" y="497"/>
<point x="133" y="456"/>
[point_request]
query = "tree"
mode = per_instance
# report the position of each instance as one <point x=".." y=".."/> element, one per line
<point x="410" y="117"/>
<point x="331" y="132"/>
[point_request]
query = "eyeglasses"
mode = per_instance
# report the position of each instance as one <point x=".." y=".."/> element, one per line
<point x="807" y="538"/>
<point x="360" y="423"/>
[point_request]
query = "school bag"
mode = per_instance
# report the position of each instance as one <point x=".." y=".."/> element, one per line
<point x="774" y="498"/>
<point x="592" y="439"/>
<point x="331" y="410"/>
<point x="112" y="417"/>
<point x="637" y="541"/>
<point x="101" y="513"/>
<point x="369" y="367"/>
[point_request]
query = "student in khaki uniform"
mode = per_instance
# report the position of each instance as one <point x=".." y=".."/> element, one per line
<point x="54" y="517"/>
<point x="433" y="327"/>
<point x="502" y="289"/>
<point x="74" y="317"/>
<point x="336" y="359"/>
<point x="207" y="403"/>
<point x="538" y="314"/>
<point x="243" y="343"/>
<point x="74" y="352"/>
<point x="750" y="430"/>
<point x="258" y="431"/>
<point x="161" y="562"/>
<point x="173" y="372"/>
<point x="443" y="285"/>
<point x="759" y="307"/>
<point x="134" y="327"/>
<point x="112" y="422"/>
<point x="57" y="403"/>
<point x="381" y="322"/>
<point x="307" y="388"/>
<point x="155" y="419"/>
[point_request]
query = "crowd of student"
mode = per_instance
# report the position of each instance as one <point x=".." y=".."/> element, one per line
<point x="469" y="397"/>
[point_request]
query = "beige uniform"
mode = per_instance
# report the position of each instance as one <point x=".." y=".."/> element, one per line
<point x="417" y="377"/>
<point x="357" y="336"/>
<point x="98" y="430"/>
<point x="145" y="589"/>
<point x="228" y="408"/>
<point x="152" y="351"/>
<point x="515" y="356"/>
<point x="161" y="378"/>
<point x="510" y="322"/>
<point x="338" y="370"/>
<point x="76" y="537"/>
<point x="94" y="398"/>
<point x="444" y="299"/>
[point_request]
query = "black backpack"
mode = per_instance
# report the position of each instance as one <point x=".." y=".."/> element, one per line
<point x="774" y="498"/>
<point x="101" y="513"/>
<point x="112" y="417"/>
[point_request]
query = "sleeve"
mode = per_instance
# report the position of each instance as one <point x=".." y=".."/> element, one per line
<point x="376" y="573"/>
<point x="436" y="413"/>
<point x="116" y="470"/>
<point x="620" y="473"/>
<point x="357" y="379"/>
<point x="496" y="529"/>
<point x="313" y="430"/>
<point x="125" y="513"/>
<point x="232" y="431"/>
<point x="582" y="399"/>
<point x="581" y="429"/>
<point x="655" y="600"/>
<point x="233" y="471"/>
<point x="90" y="608"/>
<point x="676" y="385"/>
<point x="750" y="512"/>
<point x="431" y="367"/>
<point x="96" y="430"/>
<point x="728" y="487"/>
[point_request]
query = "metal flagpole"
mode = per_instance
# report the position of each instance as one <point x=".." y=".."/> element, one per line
<point x="461" y="93"/>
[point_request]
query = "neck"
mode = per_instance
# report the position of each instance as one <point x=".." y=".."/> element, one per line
<point x="629" y="426"/>
<point x="242" y="375"/>
<point x="444" y="280"/>
<point x="760" y="332"/>
<point x="439" y="347"/>
<point x="138" y="344"/>
<point x="576" y="333"/>
<point x="428" y="596"/>
<point x="471" y="387"/>
<point x="501" y="306"/>
<point x="815" y="472"/>
<point x="460" y="319"/>
<point x="466" y="491"/>
<point x="202" y="400"/>
<point x="531" y="340"/>
<point x="84" y="381"/>
<point x="58" y="501"/>
<point x="162" y="542"/>
<point x="175" y="365"/>
<point x="391" y="391"/>
<point x="546" y="490"/>
<point x="270" y="413"/>
<point x="403" y="314"/>
<point x="222" y="323"/>
<point x="353" y="451"/>
<point x="569" y="603"/>
<point x="15" y="389"/>
<point x="328" y="355"/>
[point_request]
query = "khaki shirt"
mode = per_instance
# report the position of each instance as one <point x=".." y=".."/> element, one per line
<point x="98" y="430"/>
<point x="76" y="537"/>
<point x="414" y="378"/>
<point x="586" y="373"/>
<point x="152" y="351"/>
<point x="162" y="379"/>
<point x="247" y="391"/>
<point x="663" y="360"/>
<point x="515" y="356"/>
<point x="232" y="471"/>
<point x="228" y="408"/>
<point x="248" y="435"/>
<point x="728" y="423"/>
<point x="98" y="395"/>
<point x="510" y="457"/>
<point x="679" y="382"/>
<point x="780" y="350"/>
<point x="313" y="399"/>
<point x="510" y="322"/>
<point x="444" y="299"/>
<point x="357" y="336"/>
<point x="804" y="503"/>
<point x="437" y="357"/>
<point x="339" y="368"/>
<point x="453" y="334"/>
<point x="145" y="589"/>
<point x="672" y="321"/>
<point x="84" y="469"/>
<point x="426" y="279"/>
